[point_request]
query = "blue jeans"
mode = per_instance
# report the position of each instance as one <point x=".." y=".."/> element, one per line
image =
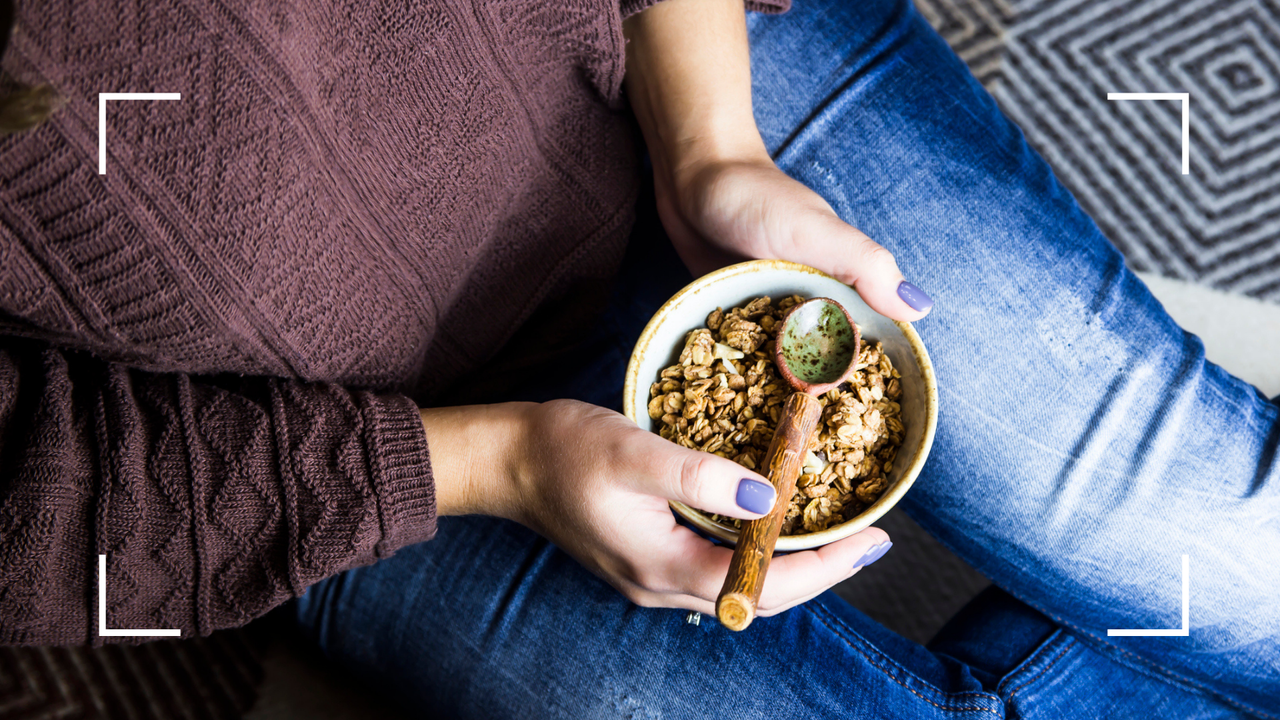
<point x="1084" y="445"/>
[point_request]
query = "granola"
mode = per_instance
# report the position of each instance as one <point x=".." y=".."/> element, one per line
<point x="725" y="394"/>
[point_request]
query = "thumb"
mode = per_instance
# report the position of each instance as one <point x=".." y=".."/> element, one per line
<point x="714" y="484"/>
<point x="857" y="260"/>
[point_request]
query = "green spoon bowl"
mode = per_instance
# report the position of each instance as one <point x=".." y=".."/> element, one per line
<point x="817" y="347"/>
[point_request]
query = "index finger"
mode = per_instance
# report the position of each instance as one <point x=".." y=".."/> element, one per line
<point x="698" y="568"/>
<point x="796" y="577"/>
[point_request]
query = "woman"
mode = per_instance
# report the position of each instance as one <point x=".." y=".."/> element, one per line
<point x="368" y="211"/>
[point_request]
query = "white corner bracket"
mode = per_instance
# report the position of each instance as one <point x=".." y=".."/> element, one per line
<point x="103" y="631"/>
<point x="1186" y="613"/>
<point x="102" y="118"/>
<point x="1186" y="117"/>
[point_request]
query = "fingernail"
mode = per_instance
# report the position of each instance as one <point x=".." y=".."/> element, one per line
<point x="914" y="296"/>
<point x="874" y="553"/>
<point x="755" y="496"/>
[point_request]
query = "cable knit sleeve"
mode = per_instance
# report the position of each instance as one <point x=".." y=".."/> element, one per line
<point x="214" y="499"/>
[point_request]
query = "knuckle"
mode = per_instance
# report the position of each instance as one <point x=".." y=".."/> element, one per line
<point x="629" y="591"/>
<point x="770" y="611"/>
<point x="874" y="254"/>
<point x="644" y="599"/>
<point x="653" y="581"/>
<point x="639" y="443"/>
<point x="643" y="579"/>
<point x="692" y="470"/>
<point x="630" y="573"/>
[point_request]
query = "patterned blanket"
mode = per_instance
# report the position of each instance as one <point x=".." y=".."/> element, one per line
<point x="1052" y="63"/>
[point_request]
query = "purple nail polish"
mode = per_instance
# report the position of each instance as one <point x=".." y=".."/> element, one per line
<point x="755" y="496"/>
<point x="874" y="553"/>
<point x="914" y="296"/>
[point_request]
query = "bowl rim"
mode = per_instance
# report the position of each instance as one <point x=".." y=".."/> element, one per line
<point x="836" y="532"/>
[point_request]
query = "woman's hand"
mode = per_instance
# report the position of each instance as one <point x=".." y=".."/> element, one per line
<point x="597" y="486"/>
<point x="720" y="211"/>
<point x="720" y="196"/>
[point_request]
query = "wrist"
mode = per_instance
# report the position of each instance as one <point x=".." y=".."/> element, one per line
<point x="475" y="455"/>
<point x="682" y="167"/>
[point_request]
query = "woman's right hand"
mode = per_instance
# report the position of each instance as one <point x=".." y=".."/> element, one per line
<point x="597" y="486"/>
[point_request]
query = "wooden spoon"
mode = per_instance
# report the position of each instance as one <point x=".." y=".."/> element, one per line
<point x="816" y="349"/>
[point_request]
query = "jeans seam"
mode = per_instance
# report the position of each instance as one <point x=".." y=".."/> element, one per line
<point x="818" y="611"/>
<point x="1139" y="663"/>
<point x="1131" y="659"/>
<point x="1036" y="658"/>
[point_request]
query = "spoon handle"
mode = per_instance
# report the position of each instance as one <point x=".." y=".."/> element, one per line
<point x="736" y="607"/>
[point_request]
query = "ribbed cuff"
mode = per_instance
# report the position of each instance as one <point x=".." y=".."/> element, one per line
<point x="401" y="465"/>
<point x="631" y="7"/>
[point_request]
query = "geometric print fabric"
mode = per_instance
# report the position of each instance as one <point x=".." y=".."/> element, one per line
<point x="1051" y="64"/>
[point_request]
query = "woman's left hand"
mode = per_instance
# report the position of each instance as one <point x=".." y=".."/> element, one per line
<point x="727" y="210"/>
<point x="720" y="196"/>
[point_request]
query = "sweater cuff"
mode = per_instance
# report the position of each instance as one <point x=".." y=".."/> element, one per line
<point x="768" y="6"/>
<point x="401" y="471"/>
<point x="631" y="7"/>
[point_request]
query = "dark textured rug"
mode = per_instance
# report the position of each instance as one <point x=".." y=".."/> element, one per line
<point x="213" y="678"/>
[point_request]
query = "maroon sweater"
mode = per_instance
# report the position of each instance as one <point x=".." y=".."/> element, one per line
<point x="211" y="357"/>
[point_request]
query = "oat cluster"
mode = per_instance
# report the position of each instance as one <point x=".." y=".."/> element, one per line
<point x="725" y="395"/>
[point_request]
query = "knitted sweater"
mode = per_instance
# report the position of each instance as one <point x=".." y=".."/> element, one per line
<point x="211" y="357"/>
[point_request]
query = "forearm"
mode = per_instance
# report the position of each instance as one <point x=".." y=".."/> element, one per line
<point x="689" y="82"/>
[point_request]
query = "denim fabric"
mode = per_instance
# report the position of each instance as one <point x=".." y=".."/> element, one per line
<point x="1084" y="445"/>
<point x="1067" y="392"/>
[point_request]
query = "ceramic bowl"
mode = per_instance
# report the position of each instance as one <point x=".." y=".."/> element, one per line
<point x="660" y="344"/>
